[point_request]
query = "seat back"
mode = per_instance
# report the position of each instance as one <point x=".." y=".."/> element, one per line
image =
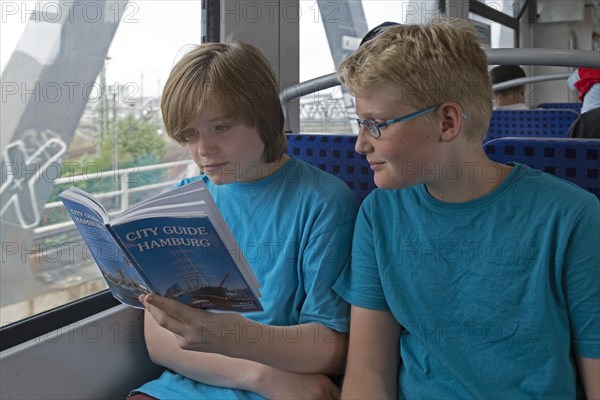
<point x="575" y="160"/>
<point x="568" y="106"/>
<point x="335" y="154"/>
<point x="530" y="123"/>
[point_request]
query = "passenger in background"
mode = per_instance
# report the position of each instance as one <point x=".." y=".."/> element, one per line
<point x="511" y="98"/>
<point x="586" y="126"/>
<point x="587" y="82"/>
<point x="469" y="279"/>
<point x="293" y="221"/>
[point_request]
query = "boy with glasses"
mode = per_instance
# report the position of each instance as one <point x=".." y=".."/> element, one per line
<point x="469" y="279"/>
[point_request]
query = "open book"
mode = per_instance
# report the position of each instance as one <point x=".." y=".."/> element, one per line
<point x="175" y="244"/>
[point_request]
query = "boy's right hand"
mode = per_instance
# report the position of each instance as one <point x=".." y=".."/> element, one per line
<point x="279" y="384"/>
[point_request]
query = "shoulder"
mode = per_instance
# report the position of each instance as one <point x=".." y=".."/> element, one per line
<point x="318" y="183"/>
<point x="382" y="202"/>
<point x="587" y="125"/>
<point x="542" y="190"/>
<point x="185" y="181"/>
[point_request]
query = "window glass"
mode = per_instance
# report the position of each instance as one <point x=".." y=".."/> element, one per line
<point x="80" y="107"/>
<point x="500" y="35"/>
<point x="331" y="110"/>
<point x="508" y="7"/>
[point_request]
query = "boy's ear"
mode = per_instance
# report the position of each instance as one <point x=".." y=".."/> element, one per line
<point x="451" y="119"/>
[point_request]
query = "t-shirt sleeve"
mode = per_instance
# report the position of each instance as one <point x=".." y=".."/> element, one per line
<point x="360" y="282"/>
<point x="322" y="262"/>
<point x="325" y="256"/>
<point x="580" y="281"/>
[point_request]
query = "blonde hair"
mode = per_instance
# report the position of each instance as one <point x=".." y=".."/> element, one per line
<point x="426" y="64"/>
<point x="237" y="79"/>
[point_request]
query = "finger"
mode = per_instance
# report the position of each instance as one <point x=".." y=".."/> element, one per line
<point x="180" y="311"/>
<point x="162" y="316"/>
<point x="172" y="307"/>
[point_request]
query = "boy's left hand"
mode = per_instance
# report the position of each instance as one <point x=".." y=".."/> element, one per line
<point x="197" y="329"/>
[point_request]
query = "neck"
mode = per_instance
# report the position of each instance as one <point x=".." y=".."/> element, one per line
<point x="271" y="168"/>
<point x="467" y="178"/>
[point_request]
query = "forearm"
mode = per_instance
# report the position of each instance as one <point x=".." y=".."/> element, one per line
<point x="360" y="382"/>
<point x="589" y="373"/>
<point x="216" y="369"/>
<point x="313" y="348"/>
<point x="234" y="373"/>
<point x="373" y="356"/>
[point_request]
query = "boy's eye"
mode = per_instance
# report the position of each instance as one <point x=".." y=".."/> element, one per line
<point x="222" y="126"/>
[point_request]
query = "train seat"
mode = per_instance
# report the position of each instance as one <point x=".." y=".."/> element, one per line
<point x="335" y="154"/>
<point x="530" y="123"/>
<point x="569" y="106"/>
<point x="575" y="160"/>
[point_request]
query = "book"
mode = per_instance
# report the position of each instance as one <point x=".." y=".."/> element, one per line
<point x="175" y="244"/>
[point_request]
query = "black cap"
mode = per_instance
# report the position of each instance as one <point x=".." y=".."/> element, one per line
<point x="376" y="31"/>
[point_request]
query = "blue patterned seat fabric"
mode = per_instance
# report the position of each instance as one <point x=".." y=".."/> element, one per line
<point x="575" y="160"/>
<point x="530" y="123"/>
<point x="335" y="154"/>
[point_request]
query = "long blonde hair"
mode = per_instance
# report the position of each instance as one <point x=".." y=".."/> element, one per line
<point x="238" y="81"/>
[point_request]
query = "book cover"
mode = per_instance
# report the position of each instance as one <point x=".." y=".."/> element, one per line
<point x="122" y="278"/>
<point x="176" y="245"/>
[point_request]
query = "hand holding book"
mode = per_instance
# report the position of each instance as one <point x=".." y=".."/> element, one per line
<point x="199" y="330"/>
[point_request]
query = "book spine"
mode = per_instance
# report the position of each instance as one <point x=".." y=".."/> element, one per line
<point x="131" y="258"/>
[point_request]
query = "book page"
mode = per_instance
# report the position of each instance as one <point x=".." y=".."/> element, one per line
<point x="170" y="199"/>
<point x="83" y="197"/>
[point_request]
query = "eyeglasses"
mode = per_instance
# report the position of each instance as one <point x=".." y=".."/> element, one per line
<point x="373" y="127"/>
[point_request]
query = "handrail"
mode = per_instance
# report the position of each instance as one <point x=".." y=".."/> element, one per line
<point x="554" y="57"/>
<point x="529" y="79"/>
<point x="124" y="191"/>
<point x="125" y="171"/>
<point x="311" y="86"/>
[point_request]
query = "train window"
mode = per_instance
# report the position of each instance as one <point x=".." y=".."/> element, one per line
<point x="329" y="31"/>
<point x="80" y="107"/>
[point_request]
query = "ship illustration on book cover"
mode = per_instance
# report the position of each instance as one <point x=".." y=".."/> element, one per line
<point x="185" y="259"/>
<point x="199" y="290"/>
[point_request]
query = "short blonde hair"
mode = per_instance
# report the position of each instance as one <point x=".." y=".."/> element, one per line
<point x="237" y="79"/>
<point x="426" y="64"/>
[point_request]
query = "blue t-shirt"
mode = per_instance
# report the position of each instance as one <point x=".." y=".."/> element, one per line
<point x="495" y="295"/>
<point x="295" y="229"/>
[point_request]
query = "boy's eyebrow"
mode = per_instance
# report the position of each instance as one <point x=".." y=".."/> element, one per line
<point x="215" y="119"/>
